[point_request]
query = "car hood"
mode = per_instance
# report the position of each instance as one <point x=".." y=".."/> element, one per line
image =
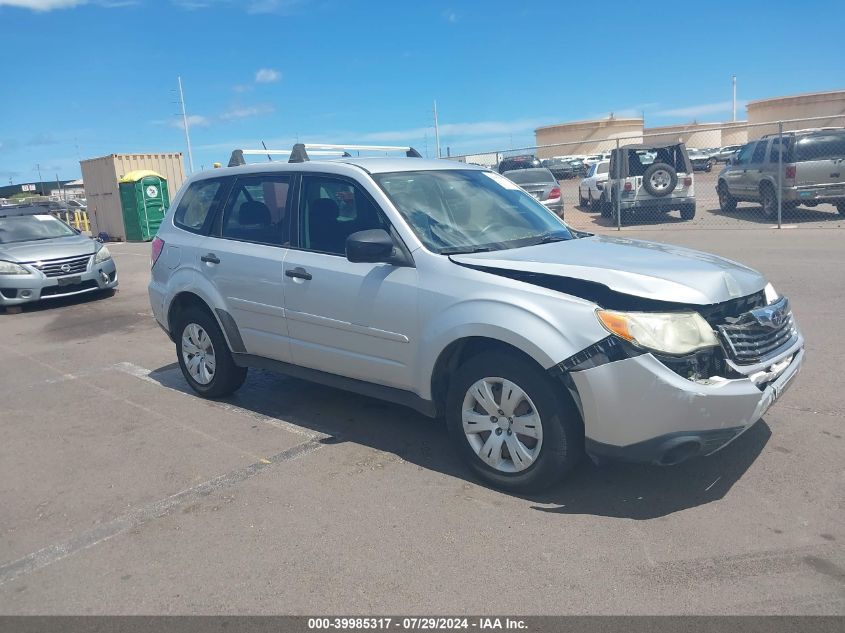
<point x="56" y="248"/>
<point x="650" y="270"/>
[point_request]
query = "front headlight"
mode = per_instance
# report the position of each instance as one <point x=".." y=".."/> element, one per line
<point x="102" y="255"/>
<point x="670" y="332"/>
<point x="11" y="268"/>
<point x="771" y="294"/>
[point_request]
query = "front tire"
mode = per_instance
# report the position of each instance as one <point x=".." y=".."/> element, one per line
<point x="512" y="424"/>
<point x="840" y="206"/>
<point x="688" y="212"/>
<point x="727" y="203"/>
<point x="204" y="356"/>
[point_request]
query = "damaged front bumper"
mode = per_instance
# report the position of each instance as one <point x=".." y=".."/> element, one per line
<point x="637" y="409"/>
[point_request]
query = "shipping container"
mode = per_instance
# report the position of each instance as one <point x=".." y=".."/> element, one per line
<point x="101" y="176"/>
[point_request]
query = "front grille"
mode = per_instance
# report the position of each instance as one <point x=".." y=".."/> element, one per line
<point x="63" y="266"/>
<point x="753" y="337"/>
<point x="57" y="291"/>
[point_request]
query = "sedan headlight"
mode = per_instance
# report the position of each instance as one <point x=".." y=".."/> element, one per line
<point x="11" y="268"/>
<point x="771" y="294"/>
<point x="670" y="332"/>
<point x="102" y="255"/>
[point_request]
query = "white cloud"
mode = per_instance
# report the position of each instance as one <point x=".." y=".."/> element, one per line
<point x="194" y="120"/>
<point x="267" y="76"/>
<point x="450" y="16"/>
<point x="702" y="109"/>
<point x="246" y="112"/>
<point x="41" y="5"/>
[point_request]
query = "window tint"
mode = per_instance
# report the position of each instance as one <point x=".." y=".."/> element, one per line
<point x="257" y="210"/>
<point x="820" y="147"/>
<point x="197" y="205"/>
<point x="759" y="152"/>
<point x="773" y="152"/>
<point x="332" y="210"/>
<point x="743" y="156"/>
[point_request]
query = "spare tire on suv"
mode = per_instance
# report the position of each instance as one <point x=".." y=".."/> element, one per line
<point x="660" y="179"/>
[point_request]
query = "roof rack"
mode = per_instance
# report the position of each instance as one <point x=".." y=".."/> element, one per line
<point x="300" y="152"/>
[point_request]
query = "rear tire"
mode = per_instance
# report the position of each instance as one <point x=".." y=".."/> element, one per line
<point x="727" y="203"/>
<point x="580" y="198"/>
<point x="553" y="438"/>
<point x="204" y="356"/>
<point x="768" y="201"/>
<point x="688" y="213"/>
<point x="840" y="206"/>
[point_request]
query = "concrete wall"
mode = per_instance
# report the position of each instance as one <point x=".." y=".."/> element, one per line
<point x="818" y="104"/>
<point x="100" y="176"/>
<point x="587" y="137"/>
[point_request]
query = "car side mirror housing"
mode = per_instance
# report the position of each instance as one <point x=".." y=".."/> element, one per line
<point x="374" y="246"/>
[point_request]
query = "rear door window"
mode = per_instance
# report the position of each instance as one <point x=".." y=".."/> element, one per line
<point x="759" y="155"/>
<point x="257" y="210"/>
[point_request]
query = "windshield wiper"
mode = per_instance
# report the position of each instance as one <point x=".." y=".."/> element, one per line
<point x="463" y="250"/>
<point x="548" y="238"/>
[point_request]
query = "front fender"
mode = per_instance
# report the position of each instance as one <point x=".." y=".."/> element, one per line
<point x="547" y="338"/>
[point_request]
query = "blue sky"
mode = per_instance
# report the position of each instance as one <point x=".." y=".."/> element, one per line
<point x="99" y="77"/>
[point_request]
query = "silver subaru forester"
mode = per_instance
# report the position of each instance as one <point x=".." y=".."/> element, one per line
<point x="445" y="287"/>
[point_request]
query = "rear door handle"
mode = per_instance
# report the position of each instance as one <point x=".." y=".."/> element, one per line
<point x="210" y="258"/>
<point x="299" y="273"/>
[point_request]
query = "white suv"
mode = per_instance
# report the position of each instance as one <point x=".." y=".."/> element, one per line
<point x="446" y="288"/>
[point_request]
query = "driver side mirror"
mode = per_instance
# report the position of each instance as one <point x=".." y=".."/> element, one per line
<point x="374" y="246"/>
<point x="733" y="159"/>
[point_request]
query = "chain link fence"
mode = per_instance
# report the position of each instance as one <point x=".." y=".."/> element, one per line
<point x="786" y="174"/>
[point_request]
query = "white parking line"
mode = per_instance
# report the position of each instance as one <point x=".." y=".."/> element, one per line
<point x="145" y="374"/>
<point x="110" y="529"/>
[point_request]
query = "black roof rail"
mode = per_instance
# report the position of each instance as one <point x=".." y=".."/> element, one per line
<point x="300" y="152"/>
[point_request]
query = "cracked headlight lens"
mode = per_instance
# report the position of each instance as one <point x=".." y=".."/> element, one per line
<point x="669" y="332"/>
<point x="102" y="255"/>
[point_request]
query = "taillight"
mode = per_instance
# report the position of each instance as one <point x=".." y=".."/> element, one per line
<point x="554" y="193"/>
<point x="789" y="172"/>
<point x="688" y="181"/>
<point x="629" y="186"/>
<point x="155" y="250"/>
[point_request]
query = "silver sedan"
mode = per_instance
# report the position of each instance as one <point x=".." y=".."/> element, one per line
<point x="41" y="257"/>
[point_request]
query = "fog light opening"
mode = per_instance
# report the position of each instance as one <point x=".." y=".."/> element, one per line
<point x="680" y="452"/>
<point x="104" y="277"/>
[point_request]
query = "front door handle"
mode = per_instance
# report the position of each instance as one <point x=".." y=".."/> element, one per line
<point x="299" y="273"/>
<point x="210" y="258"/>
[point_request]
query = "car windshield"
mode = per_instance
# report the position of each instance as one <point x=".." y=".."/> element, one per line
<point x="463" y="211"/>
<point x="529" y="176"/>
<point x="28" y="228"/>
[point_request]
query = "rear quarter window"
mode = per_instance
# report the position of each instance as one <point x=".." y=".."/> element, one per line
<point x="198" y="205"/>
<point x="820" y="147"/>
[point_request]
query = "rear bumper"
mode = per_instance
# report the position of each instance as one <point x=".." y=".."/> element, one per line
<point x="637" y="409"/>
<point x="814" y="194"/>
<point x="20" y="289"/>
<point x="668" y="203"/>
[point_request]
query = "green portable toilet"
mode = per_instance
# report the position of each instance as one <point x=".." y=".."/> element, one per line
<point x="144" y="199"/>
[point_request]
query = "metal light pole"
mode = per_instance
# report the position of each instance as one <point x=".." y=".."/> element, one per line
<point x="185" y="124"/>
<point x="436" y="130"/>
<point x="780" y="173"/>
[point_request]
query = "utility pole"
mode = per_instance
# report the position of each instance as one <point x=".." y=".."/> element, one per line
<point x="436" y="130"/>
<point x="185" y="124"/>
<point x="40" y="184"/>
<point x="733" y="81"/>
